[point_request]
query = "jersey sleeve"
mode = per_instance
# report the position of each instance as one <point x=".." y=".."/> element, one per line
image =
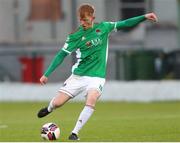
<point x="70" y="44"/>
<point x="131" y="22"/>
<point x="110" y="26"/>
<point x="57" y="60"/>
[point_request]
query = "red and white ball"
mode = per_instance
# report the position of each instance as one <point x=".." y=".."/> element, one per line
<point x="50" y="131"/>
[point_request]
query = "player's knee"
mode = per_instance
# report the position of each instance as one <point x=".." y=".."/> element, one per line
<point x="91" y="101"/>
<point x="60" y="100"/>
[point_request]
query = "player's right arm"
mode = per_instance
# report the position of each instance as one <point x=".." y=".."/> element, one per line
<point x="69" y="46"/>
<point x="57" y="60"/>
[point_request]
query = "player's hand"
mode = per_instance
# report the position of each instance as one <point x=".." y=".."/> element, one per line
<point x="151" y="17"/>
<point x="43" y="80"/>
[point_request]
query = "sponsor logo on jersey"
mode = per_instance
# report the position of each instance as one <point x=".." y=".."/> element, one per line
<point x="94" y="42"/>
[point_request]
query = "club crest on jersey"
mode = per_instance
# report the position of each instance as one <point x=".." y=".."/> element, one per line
<point x="98" y="31"/>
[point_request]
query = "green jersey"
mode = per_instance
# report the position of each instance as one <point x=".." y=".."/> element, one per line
<point x="91" y="47"/>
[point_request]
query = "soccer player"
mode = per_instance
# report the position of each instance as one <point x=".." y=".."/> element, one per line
<point x="90" y="41"/>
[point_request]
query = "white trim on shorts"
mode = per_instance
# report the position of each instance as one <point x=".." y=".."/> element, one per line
<point x="75" y="85"/>
<point x="66" y="92"/>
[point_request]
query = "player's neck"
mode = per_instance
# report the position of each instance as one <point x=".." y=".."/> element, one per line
<point x="89" y="27"/>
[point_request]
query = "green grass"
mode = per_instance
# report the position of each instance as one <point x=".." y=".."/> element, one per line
<point x="112" y="121"/>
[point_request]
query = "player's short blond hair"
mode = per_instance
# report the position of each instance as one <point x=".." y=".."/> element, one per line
<point x="86" y="9"/>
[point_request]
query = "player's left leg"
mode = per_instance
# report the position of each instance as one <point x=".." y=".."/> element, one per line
<point x="86" y="113"/>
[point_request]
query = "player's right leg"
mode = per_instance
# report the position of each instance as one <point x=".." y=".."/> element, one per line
<point x="56" y="102"/>
<point x="70" y="88"/>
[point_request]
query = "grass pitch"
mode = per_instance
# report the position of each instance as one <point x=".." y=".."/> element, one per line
<point x="112" y="121"/>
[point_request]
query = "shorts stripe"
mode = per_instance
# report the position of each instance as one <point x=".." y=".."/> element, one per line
<point x="66" y="92"/>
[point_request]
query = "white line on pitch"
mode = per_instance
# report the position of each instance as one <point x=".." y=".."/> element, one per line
<point x="3" y="126"/>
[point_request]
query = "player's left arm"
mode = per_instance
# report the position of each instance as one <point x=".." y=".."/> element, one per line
<point x="152" y="17"/>
<point x="131" y="22"/>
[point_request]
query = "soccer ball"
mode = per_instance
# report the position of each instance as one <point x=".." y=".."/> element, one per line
<point x="50" y="131"/>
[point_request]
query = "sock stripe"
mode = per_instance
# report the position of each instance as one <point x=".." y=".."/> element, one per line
<point x="90" y="106"/>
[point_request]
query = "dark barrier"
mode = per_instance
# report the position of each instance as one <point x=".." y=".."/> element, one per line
<point x="173" y="64"/>
<point x="140" y="64"/>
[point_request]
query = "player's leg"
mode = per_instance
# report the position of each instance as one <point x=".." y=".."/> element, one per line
<point x="94" y="90"/>
<point x="70" y="88"/>
<point x="56" y="102"/>
<point x="86" y="113"/>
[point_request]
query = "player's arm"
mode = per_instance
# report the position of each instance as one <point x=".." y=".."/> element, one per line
<point x="135" y="21"/>
<point x="67" y="49"/>
<point x="57" y="60"/>
<point x="131" y="22"/>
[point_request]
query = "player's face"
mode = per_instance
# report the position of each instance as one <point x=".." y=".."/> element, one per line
<point x="87" y="22"/>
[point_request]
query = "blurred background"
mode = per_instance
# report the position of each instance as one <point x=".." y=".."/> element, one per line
<point x="32" y="31"/>
<point x="141" y="96"/>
